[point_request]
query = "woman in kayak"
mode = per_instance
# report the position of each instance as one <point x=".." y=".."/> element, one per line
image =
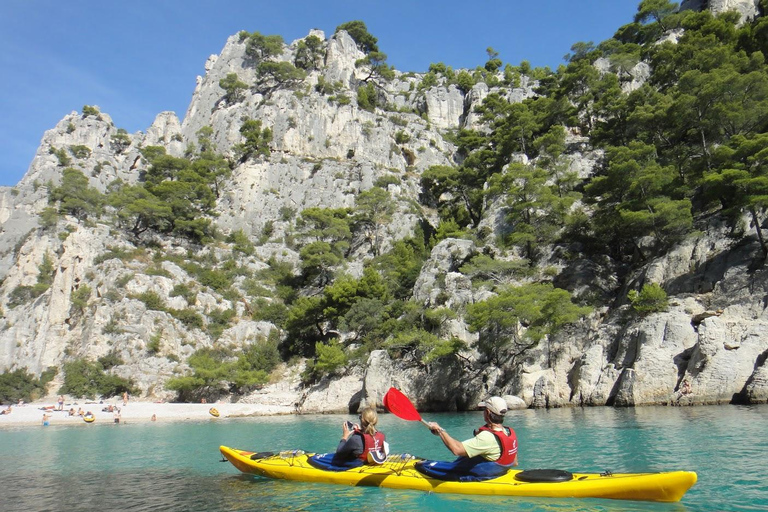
<point x="491" y="452"/>
<point x="362" y="441"/>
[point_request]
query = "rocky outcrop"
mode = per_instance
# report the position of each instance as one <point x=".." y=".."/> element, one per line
<point x="748" y="9"/>
<point x="440" y="273"/>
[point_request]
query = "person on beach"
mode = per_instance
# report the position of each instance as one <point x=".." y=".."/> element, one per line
<point x="46" y="419"/>
<point x="61" y="402"/>
<point x="125" y="398"/>
<point x="117" y="415"/>
<point x="491" y="452"/>
<point x="7" y="410"/>
<point x="362" y="441"/>
<point x="153" y="418"/>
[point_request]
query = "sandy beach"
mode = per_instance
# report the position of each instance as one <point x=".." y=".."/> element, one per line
<point x="134" y="411"/>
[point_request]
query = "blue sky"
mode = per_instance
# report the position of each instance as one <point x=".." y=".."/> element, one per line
<point x="137" y="58"/>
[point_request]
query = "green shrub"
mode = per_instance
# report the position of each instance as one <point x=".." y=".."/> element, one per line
<point x="154" y="345"/>
<point x="152" y="300"/>
<point x="212" y="278"/>
<point x="79" y="298"/>
<point x="75" y="197"/>
<point x="255" y="288"/>
<point x="123" y="280"/>
<point x="188" y="317"/>
<point x="255" y="362"/>
<point x="399" y="121"/>
<point x="465" y="82"/>
<point x="90" y="111"/>
<point x="157" y="270"/>
<point x="241" y="243"/>
<point x="83" y="378"/>
<point x="309" y="53"/>
<point x="22" y="385"/>
<point x="24" y="294"/>
<point x="216" y="371"/>
<point x="387" y="180"/>
<point x="651" y="299"/>
<point x="119" y="253"/>
<point x="48" y="218"/>
<point x="61" y="155"/>
<point x="234" y="88"/>
<point x="218" y="320"/>
<point x="401" y="137"/>
<point x="263" y="354"/>
<point x="366" y="97"/>
<point x="182" y="290"/>
<point x="120" y="141"/>
<point x="257" y="140"/>
<point x="110" y="360"/>
<point x="327" y="88"/>
<point x="47" y="270"/>
<point x="341" y="99"/>
<point x="330" y="359"/>
<point x="270" y="311"/>
<point x="210" y="372"/>
<point x="80" y="152"/>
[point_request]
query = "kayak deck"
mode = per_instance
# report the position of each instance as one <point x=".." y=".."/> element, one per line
<point x="398" y="472"/>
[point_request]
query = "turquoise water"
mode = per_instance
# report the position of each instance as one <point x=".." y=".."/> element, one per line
<point x="163" y="467"/>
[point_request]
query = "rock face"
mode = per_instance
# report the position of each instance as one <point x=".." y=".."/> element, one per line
<point x="110" y="295"/>
<point x="443" y="264"/>
<point x="748" y="9"/>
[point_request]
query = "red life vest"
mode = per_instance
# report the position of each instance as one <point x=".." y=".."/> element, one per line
<point x="371" y="443"/>
<point x="507" y="444"/>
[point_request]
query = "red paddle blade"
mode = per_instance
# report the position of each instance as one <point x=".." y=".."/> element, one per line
<point x="399" y="405"/>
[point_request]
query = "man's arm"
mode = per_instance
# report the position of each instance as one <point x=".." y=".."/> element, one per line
<point x="452" y="444"/>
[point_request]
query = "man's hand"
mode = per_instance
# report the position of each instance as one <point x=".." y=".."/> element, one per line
<point x="435" y="428"/>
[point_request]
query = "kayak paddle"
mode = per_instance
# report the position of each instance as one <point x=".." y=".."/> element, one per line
<point x="399" y="405"/>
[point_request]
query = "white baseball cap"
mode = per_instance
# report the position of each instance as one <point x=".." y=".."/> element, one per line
<point x="495" y="404"/>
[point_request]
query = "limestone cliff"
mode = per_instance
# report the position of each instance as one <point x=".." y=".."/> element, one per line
<point x="324" y="152"/>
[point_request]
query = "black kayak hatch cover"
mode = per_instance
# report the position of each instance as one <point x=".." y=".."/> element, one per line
<point x="544" y="475"/>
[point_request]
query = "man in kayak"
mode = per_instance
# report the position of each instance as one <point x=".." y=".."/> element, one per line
<point x="362" y="442"/>
<point x="491" y="452"/>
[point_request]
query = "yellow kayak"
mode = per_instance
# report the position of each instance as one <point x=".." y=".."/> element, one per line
<point x="398" y="472"/>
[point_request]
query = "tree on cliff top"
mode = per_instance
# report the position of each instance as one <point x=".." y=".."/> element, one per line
<point x="75" y="197"/>
<point x="259" y="46"/>
<point x="359" y="32"/>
